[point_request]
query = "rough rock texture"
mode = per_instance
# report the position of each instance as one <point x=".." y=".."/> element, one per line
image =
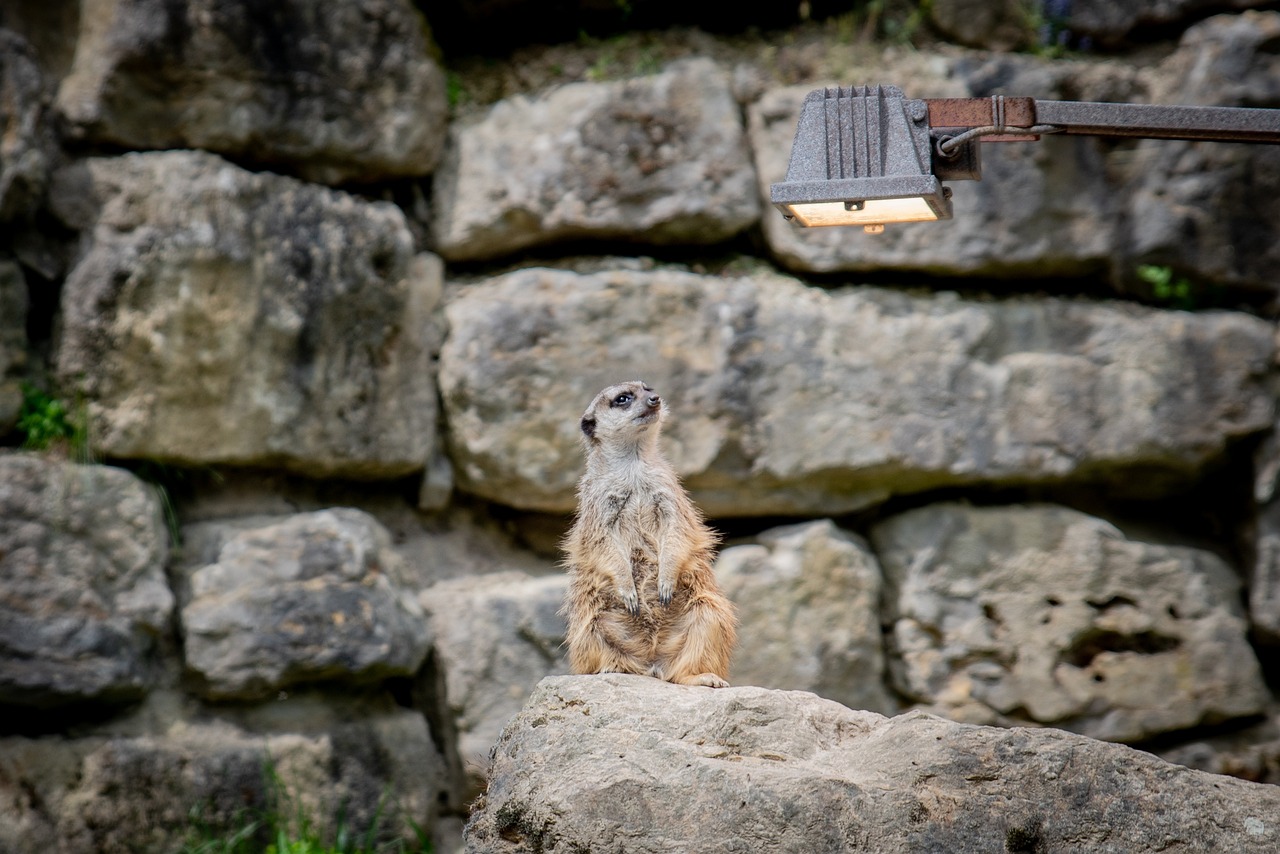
<point x="1210" y="210"/>
<point x="793" y="399"/>
<point x="13" y="342"/>
<point x="333" y="93"/>
<point x="1250" y="753"/>
<point x="659" y="159"/>
<point x="222" y="316"/>
<point x="625" y="763"/>
<point x="26" y="140"/>
<point x="82" y="555"/>
<point x="1264" y="581"/>
<point x="1110" y="22"/>
<point x="1050" y="198"/>
<point x="315" y="597"/>
<point x="1043" y="614"/>
<point x="137" y="793"/>
<point x="495" y="637"/>
<point x="808" y="600"/>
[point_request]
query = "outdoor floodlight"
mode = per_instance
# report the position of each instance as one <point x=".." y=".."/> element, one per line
<point x="866" y="155"/>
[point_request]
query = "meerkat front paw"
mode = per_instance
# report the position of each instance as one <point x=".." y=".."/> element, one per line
<point x="709" y="680"/>
<point x="630" y="598"/>
<point x="666" y="589"/>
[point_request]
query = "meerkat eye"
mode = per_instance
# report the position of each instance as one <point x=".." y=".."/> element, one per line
<point x="623" y="399"/>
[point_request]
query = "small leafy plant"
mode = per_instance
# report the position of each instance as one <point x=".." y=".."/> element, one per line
<point x="1175" y="291"/>
<point x="46" y="424"/>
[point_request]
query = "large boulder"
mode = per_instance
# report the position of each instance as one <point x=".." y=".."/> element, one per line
<point x="331" y="93"/>
<point x="13" y="342"/>
<point x="632" y="764"/>
<point x="1041" y="614"/>
<point x="659" y="159"/>
<point x="496" y="636"/>
<point x="1210" y="211"/>
<point x="1113" y="22"/>
<point x="798" y="400"/>
<point x="85" y="603"/>
<point x="200" y="782"/>
<point x="808" y="598"/>
<point x="219" y="316"/>
<point x="314" y="597"/>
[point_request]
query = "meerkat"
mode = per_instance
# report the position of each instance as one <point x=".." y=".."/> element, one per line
<point x="642" y="595"/>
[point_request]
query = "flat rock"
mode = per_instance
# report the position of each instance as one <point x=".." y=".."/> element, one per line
<point x="797" y="400"/>
<point x="219" y="316"/>
<point x="808" y="598"/>
<point x="631" y="764"/>
<point x="85" y="601"/>
<point x="316" y="597"/>
<point x="496" y="636"/>
<point x="660" y="159"/>
<point x="334" y="94"/>
<point x="1041" y="614"/>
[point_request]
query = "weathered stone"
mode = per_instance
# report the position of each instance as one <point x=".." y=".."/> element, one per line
<point x="1111" y="22"/>
<point x="1004" y="25"/>
<point x="334" y="94"/>
<point x="1250" y="753"/>
<point x="633" y="764"/>
<point x="223" y="316"/>
<point x="798" y="400"/>
<point x="26" y="140"/>
<point x="1041" y="209"/>
<point x="659" y="159"/>
<point x="1264" y="582"/>
<point x="495" y="637"/>
<point x="155" y="792"/>
<point x="13" y="342"/>
<point x="315" y="597"/>
<point x="810" y="595"/>
<point x="82" y="555"/>
<point x="1045" y="615"/>
<point x="1210" y="211"/>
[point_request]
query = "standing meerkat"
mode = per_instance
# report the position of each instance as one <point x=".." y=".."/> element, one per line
<point x="642" y="594"/>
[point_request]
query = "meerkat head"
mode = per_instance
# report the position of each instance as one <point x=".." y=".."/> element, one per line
<point x="623" y="414"/>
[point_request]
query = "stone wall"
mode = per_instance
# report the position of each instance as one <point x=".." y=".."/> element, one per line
<point x="322" y="294"/>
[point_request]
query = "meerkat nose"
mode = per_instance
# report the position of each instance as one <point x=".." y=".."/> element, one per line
<point x="654" y="400"/>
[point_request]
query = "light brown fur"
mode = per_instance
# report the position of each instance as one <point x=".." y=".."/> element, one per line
<point x="642" y="595"/>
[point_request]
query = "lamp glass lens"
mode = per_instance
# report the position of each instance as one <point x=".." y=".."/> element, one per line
<point x="873" y="212"/>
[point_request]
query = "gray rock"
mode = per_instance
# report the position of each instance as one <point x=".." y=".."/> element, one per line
<point x="1111" y="22"/>
<point x="343" y="93"/>
<point x="315" y="597"/>
<point x="1209" y="210"/>
<point x="156" y="792"/>
<point x="659" y="159"/>
<point x="625" y="763"/>
<point x="218" y="316"/>
<point x="13" y="342"/>
<point x="1250" y="753"/>
<point x="1044" y="615"/>
<point x="808" y="597"/>
<point x="1042" y="208"/>
<point x="1264" y="582"/>
<point x="82" y="555"/>
<point x="1004" y="25"/>
<point x="797" y="400"/>
<point x="495" y="637"/>
<point x="27" y="146"/>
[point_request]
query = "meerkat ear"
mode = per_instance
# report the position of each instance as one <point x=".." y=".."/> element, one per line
<point x="588" y="426"/>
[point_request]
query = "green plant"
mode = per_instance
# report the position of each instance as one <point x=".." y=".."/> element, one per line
<point x="285" y="826"/>
<point x="46" y="424"/>
<point x="1175" y="292"/>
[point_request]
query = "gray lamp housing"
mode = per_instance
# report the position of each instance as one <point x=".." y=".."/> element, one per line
<point x="861" y="156"/>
